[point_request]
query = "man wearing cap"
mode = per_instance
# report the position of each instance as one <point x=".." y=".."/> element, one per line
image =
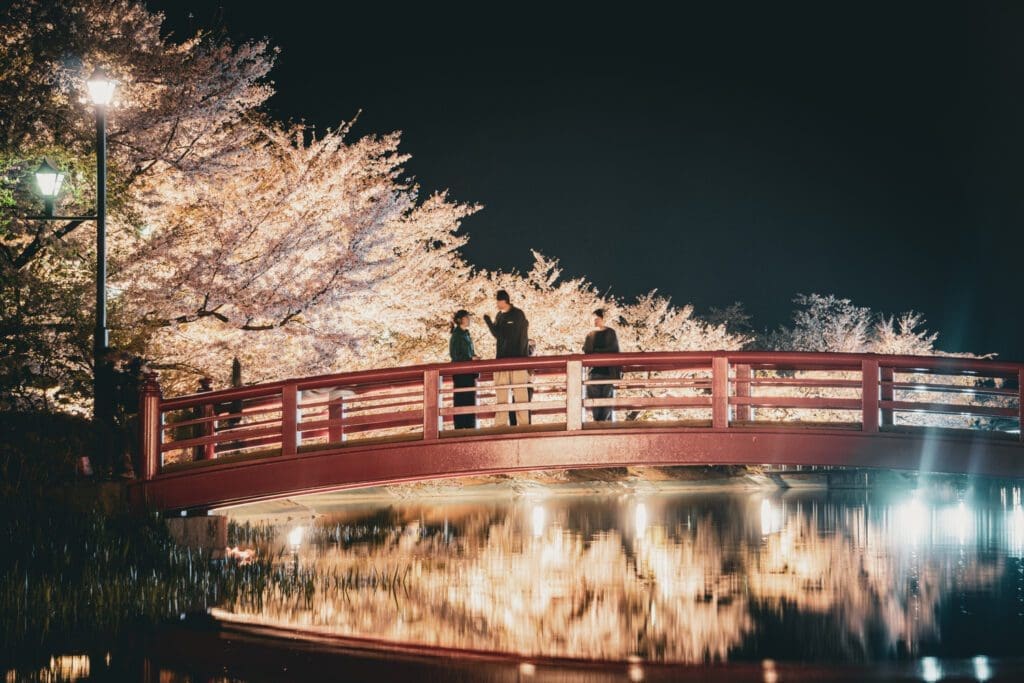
<point x="511" y="329"/>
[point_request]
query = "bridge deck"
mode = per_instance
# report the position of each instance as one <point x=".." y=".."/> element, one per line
<point x="354" y="429"/>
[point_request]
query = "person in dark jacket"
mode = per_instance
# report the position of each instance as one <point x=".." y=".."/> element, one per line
<point x="511" y="329"/>
<point x="460" y="348"/>
<point x="602" y="340"/>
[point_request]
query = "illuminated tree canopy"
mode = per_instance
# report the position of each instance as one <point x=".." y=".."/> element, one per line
<point x="235" y="235"/>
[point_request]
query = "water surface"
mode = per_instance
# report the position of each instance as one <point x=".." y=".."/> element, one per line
<point x="664" y="578"/>
<point x="898" y="584"/>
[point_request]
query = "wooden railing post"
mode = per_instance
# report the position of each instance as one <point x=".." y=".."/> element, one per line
<point x="431" y="404"/>
<point x="869" y="395"/>
<point x="742" y="410"/>
<point x="209" y="428"/>
<point x="885" y="389"/>
<point x="289" y="419"/>
<point x="573" y="395"/>
<point x="150" y="426"/>
<point x="720" y="392"/>
<point x="336" y="414"/>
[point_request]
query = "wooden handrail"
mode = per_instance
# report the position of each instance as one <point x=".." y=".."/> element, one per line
<point x="728" y="384"/>
<point x="803" y="359"/>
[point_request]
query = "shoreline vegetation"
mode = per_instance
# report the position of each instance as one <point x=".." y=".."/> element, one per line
<point x="79" y="567"/>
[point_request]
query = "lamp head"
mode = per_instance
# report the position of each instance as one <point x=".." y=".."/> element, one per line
<point x="101" y="87"/>
<point x="49" y="180"/>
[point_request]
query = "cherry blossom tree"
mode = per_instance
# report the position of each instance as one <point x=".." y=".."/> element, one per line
<point x="182" y="104"/>
<point x="300" y="253"/>
<point x="901" y="335"/>
<point x="230" y="234"/>
<point x="825" y="323"/>
<point x="832" y="324"/>
<point x="234" y="235"/>
<point x="653" y="323"/>
<point x="560" y="311"/>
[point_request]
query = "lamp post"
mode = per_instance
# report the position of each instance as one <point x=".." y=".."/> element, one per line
<point x="49" y="180"/>
<point x="101" y="91"/>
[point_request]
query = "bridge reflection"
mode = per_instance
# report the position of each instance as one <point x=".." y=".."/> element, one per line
<point x="662" y="578"/>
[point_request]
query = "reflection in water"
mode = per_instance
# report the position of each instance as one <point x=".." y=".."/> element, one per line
<point x="662" y="577"/>
<point x="61" y="668"/>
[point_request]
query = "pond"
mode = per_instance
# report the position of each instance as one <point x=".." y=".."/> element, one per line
<point x="925" y="584"/>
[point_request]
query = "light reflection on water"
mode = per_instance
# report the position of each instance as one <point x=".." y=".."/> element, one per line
<point x="677" y="578"/>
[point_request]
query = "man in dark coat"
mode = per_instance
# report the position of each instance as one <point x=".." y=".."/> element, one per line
<point x="602" y="340"/>
<point x="511" y="330"/>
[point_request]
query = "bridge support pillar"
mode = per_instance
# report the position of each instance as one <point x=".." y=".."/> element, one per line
<point x="208" y="533"/>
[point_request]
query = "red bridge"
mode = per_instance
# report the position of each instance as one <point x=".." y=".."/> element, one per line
<point x="384" y="426"/>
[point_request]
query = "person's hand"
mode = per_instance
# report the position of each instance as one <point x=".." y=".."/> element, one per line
<point x="476" y="357"/>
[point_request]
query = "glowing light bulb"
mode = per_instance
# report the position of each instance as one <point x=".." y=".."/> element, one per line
<point x="101" y="87"/>
<point x="49" y="179"/>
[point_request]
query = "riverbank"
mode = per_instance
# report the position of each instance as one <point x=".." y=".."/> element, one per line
<point x="78" y="569"/>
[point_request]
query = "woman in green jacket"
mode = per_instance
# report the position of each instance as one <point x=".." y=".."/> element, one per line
<point x="460" y="348"/>
<point x="602" y="340"/>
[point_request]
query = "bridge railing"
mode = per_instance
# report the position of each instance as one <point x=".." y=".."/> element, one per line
<point x="667" y="390"/>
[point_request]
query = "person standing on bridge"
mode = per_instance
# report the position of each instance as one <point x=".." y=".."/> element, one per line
<point x="602" y="340"/>
<point x="460" y="348"/>
<point x="511" y="329"/>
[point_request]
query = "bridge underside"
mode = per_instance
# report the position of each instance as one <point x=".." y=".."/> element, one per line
<point x="354" y="465"/>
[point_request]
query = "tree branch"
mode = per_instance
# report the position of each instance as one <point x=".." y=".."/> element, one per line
<point x="269" y="326"/>
<point x="39" y="243"/>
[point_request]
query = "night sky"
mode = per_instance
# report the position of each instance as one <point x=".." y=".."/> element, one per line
<point x="742" y="153"/>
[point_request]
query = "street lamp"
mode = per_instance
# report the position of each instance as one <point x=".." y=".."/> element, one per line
<point x="101" y="91"/>
<point x="49" y="180"/>
<point x="101" y="87"/>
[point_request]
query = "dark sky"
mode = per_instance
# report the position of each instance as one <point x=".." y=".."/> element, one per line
<point x="742" y="153"/>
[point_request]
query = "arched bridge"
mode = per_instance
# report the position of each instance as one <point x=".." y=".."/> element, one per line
<point x="383" y="426"/>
